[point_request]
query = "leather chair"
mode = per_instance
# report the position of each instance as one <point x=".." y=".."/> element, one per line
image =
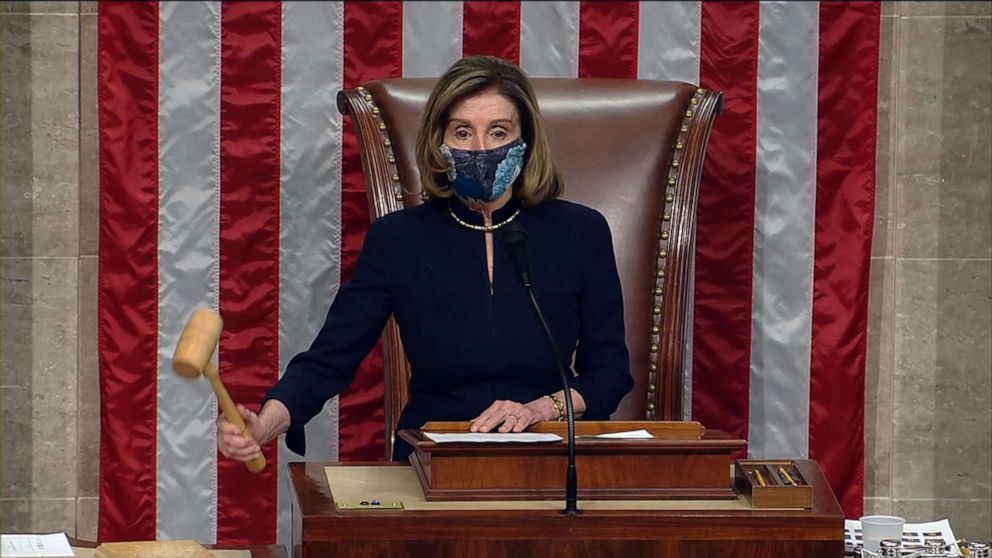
<point x="634" y="150"/>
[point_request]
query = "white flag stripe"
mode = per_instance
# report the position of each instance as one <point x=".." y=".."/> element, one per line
<point x="668" y="48"/>
<point x="687" y="363"/>
<point x="668" y="44"/>
<point x="310" y="205"/>
<point x="189" y="146"/>
<point x="432" y="37"/>
<point x="784" y="225"/>
<point x="549" y="39"/>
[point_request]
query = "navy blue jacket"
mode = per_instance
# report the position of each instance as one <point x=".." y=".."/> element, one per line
<point x="469" y="341"/>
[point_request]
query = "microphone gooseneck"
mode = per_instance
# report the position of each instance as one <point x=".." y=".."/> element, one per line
<point x="517" y="247"/>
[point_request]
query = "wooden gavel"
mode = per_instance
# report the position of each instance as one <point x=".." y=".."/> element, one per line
<point x="193" y="357"/>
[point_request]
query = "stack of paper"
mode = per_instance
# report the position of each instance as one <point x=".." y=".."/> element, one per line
<point x="626" y="435"/>
<point x="444" y="437"/>
<point x="55" y="545"/>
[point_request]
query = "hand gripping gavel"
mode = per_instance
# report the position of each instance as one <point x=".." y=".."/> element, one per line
<point x="193" y="357"/>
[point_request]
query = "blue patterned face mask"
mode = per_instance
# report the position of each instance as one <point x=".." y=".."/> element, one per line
<point x="486" y="174"/>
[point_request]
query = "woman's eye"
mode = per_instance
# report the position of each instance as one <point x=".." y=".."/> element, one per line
<point x="499" y="134"/>
<point x="461" y="134"/>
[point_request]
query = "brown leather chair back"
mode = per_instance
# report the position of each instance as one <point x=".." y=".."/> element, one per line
<point x="634" y="150"/>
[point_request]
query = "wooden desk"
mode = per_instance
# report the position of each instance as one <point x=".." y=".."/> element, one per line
<point x="321" y="531"/>
<point x="257" y="551"/>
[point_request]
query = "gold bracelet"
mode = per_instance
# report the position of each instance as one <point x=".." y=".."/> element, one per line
<point x="559" y="406"/>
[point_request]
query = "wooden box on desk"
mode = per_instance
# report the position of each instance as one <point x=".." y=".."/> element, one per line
<point x="682" y="460"/>
<point x="769" y="487"/>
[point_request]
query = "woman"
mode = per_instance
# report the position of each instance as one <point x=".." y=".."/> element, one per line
<point x="476" y="348"/>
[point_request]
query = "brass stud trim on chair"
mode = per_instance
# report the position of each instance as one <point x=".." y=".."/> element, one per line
<point x="672" y="181"/>
<point x="675" y="173"/>
<point x="390" y="157"/>
<point x="651" y="388"/>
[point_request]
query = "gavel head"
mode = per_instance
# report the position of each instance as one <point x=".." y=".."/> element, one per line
<point x="196" y="346"/>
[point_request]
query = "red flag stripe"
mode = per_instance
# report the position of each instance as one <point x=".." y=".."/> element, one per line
<point x="722" y="319"/>
<point x="608" y="39"/>
<point x="249" y="250"/>
<point x="128" y="282"/>
<point x="482" y="33"/>
<point x="373" y="49"/>
<point x="845" y="209"/>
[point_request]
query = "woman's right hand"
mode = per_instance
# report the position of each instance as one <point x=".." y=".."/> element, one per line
<point x="272" y="421"/>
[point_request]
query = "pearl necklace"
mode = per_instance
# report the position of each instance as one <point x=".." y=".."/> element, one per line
<point x="483" y="228"/>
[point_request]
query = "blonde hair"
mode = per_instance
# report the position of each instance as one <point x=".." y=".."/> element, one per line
<point x="540" y="180"/>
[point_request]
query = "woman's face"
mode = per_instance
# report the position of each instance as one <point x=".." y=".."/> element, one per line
<point x="483" y="121"/>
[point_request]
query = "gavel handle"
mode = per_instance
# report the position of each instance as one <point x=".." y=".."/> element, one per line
<point x="231" y="412"/>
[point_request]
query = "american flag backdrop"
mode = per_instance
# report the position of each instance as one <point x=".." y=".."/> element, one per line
<point x="228" y="178"/>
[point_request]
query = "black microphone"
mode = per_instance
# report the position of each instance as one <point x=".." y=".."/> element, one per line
<point x="517" y="247"/>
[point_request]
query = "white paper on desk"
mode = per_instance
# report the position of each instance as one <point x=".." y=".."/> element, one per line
<point x="444" y="437"/>
<point x="626" y="435"/>
<point x="24" y="546"/>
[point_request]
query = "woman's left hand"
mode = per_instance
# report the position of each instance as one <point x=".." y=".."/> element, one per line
<point x="511" y="416"/>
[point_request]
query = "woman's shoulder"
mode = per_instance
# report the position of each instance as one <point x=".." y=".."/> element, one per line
<point x="406" y="220"/>
<point x="570" y="213"/>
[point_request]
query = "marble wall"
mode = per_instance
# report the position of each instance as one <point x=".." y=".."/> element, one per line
<point x="929" y="414"/>
<point x="42" y="267"/>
